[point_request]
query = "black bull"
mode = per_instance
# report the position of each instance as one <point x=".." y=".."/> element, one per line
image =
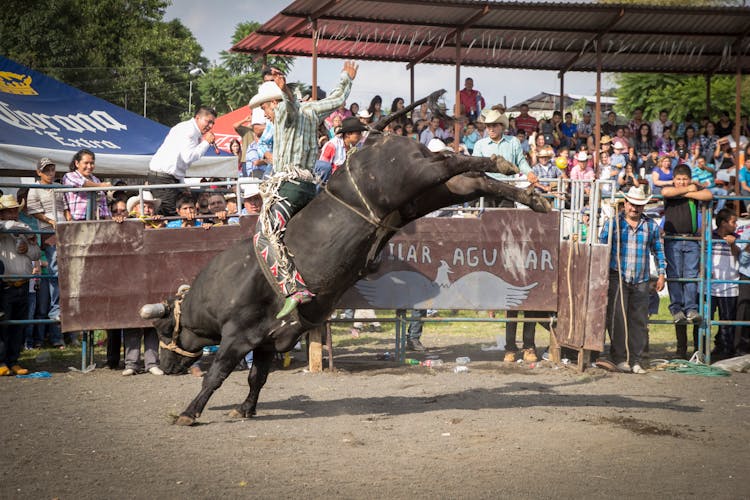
<point x="232" y="304"/>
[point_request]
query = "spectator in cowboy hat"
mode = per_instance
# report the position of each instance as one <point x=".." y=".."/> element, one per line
<point x="17" y="253"/>
<point x="251" y="199"/>
<point x="364" y="116"/>
<point x="545" y="169"/>
<point x="634" y="237"/>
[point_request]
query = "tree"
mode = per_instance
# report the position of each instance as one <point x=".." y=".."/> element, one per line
<point x="108" y="48"/>
<point x="680" y="94"/>
<point x="231" y="84"/>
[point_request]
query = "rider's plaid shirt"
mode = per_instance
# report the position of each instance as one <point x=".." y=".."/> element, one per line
<point x="296" y="127"/>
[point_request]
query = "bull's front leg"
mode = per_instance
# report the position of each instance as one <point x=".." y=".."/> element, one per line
<point x="229" y="354"/>
<point x="256" y="379"/>
<point x="488" y="186"/>
<point x="459" y="164"/>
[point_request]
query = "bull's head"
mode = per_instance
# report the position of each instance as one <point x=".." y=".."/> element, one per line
<point x="173" y="359"/>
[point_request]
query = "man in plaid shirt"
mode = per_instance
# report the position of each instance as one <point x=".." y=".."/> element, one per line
<point x="292" y="186"/>
<point x="635" y="237"/>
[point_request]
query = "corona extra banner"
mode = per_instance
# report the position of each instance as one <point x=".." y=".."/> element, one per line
<point x="40" y="116"/>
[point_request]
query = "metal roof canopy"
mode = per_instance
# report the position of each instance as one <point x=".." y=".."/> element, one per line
<point x="535" y="35"/>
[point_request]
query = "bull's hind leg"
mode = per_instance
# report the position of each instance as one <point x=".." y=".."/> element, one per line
<point x="487" y="186"/>
<point x="256" y="379"/>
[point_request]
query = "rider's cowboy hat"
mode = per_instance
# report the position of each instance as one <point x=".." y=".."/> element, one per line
<point x="493" y="116"/>
<point x="636" y="196"/>
<point x="268" y="91"/>
<point x="147" y="197"/>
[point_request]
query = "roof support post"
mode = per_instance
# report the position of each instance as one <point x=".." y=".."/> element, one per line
<point x="562" y="93"/>
<point x="708" y="95"/>
<point x="739" y="153"/>
<point x="458" y="117"/>
<point x="598" y="114"/>
<point x="411" y="84"/>
<point x="314" y="59"/>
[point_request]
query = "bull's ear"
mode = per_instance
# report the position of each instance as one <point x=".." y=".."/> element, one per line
<point x="153" y="311"/>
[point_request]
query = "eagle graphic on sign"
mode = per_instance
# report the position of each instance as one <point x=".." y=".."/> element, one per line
<point x="476" y="290"/>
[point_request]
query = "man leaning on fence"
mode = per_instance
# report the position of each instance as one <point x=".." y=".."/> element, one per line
<point x="17" y="252"/>
<point x="185" y="144"/>
<point x="634" y="236"/>
<point x="48" y="207"/>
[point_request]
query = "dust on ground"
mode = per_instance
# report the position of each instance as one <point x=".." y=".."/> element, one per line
<point x="374" y="429"/>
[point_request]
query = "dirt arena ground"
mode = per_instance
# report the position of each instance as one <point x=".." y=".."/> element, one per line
<point x="373" y="429"/>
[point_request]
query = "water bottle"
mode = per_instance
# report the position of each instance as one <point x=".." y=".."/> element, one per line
<point x="433" y="363"/>
<point x="463" y="360"/>
<point x="411" y="361"/>
<point x="461" y="369"/>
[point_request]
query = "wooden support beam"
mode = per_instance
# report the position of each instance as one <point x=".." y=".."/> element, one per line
<point x="315" y="60"/>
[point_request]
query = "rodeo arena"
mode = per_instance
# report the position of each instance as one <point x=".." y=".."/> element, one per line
<point x="457" y="298"/>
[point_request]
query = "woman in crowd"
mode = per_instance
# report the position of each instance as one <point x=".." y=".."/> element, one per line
<point x="235" y="147"/>
<point x="398" y="105"/>
<point x="82" y="175"/>
<point x="662" y="176"/>
<point x="644" y="143"/>
<point x="376" y="109"/>
<point x="708" y="142"/>
<point x="410" y="131"/>
<point x="354" y="109"/>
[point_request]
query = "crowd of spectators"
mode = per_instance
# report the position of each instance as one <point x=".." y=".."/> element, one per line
<point x="676" y="157"/>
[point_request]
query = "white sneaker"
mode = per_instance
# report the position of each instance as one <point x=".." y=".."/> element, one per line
<point x="638" y="369"/>
<point x="155" y="370"/>
<point x="127" y="372"/>
<point x="624" y="367"/>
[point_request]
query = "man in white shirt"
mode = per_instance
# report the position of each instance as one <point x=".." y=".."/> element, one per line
<point x="185" y="143"/>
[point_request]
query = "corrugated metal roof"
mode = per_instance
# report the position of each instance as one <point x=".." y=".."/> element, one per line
<point x="539" y="35"/>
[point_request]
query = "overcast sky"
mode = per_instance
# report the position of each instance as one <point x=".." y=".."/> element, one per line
<point x="213" y="24"/>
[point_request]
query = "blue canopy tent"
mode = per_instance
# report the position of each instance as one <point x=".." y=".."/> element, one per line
<point x="40" y="116"/>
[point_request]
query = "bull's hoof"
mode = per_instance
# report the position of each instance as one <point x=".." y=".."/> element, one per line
<point x="238" y="413"/>
<point x="184" y="421"/>
<point x="504" y="166"/>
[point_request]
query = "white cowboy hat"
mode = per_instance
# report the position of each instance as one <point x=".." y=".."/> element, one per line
<point x="363" y="113"/>
<point x="582" y="156"/>
<point x="636" y="196"/>
<point x="250" y="190"/>
<point x="268" y="91"/>
<point x="9" y="201"/>
<point x="436" y="145"/>
<point x="546" y="151"/>
<point x="258" y="118"/>
<point x="619" y="145"/>
<point x="147" y="196"/>
<point x="494" y="116"/>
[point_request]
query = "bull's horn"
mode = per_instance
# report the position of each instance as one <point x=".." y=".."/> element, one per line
<point x="183" y="289"/>
<point x="153" y="311"/>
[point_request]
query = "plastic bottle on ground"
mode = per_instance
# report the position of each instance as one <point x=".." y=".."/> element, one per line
<point x="433" y="363"/>
<point x="411" y="361"/>
<point x="461" y="369"/>
<point x="463" y="360"/>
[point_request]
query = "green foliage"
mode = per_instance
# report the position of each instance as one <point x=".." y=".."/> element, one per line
<point x="108" y="48"/>
<point x="232" y="84"/>
<point x="677" y="93"/>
